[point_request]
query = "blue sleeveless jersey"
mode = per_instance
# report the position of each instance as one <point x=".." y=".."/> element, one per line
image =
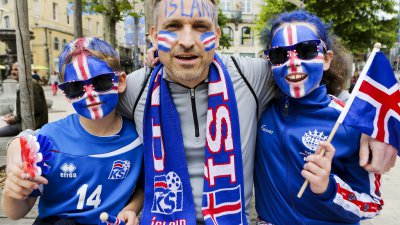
<point x="89" y="174"/>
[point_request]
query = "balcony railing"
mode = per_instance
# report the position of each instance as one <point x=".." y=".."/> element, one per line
<point x="233" y="15"/>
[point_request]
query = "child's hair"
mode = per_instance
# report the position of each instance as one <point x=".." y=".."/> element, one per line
<point x="91" y="46"/>
<point x="335" y="77"/>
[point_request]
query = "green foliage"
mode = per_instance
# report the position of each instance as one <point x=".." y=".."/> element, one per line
<point x="225" y="40"/>
<point x="358" y="24"/>
<point x="118" y="8"/>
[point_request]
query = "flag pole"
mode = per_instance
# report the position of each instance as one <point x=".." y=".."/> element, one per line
<point x="343" y="114"/>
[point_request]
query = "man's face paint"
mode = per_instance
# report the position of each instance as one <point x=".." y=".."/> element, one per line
<point x="203" y="8"/>
<point x="208" y="40"/>
<point x="92" y="105"/>
<point x="297" y="77"/>
<point x="165" y="40"/>
<point x="187" y="37"/>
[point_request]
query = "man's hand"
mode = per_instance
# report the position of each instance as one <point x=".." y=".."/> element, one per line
<point x="318" y="168"/>
<point x="129" y="217"/>
<point x="375" y="156"/>
<point x="151" y="60"/>
<point x="9" y="119"/>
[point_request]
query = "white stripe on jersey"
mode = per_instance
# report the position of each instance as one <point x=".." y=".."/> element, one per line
<point x="122" y="150"/>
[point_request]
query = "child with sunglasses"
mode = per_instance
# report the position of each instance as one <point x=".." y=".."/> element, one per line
<point x="293" y="130"/>
<point x="97" y="153"/>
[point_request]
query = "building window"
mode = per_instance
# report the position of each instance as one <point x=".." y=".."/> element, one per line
<point x="89" y="24"/>
<point x="246" y="6"/>
<point x="7" y="22"/>
<point x="64" y="44"/>
<point x="5" y="2"/>
<point x="56" y="44"/>
<point x="247" y="36"/>
<point x="55" y="11"/>
<point x="228" y="31"/>
<point x="68" y="17"/>
<point x="226" y="5"/>
<point x="36" y="9"/>
<point x="97" y="28"/>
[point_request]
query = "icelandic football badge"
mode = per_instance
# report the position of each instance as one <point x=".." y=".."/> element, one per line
<point x="168" y="194"/>
<point x="311" y="140"/>
<point x="120" y="169"/>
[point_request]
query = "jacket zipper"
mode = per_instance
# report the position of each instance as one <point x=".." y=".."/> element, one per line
<point x="290" y="122"/>
<point x="194" y="111"/>
<point x="286" y="108"/>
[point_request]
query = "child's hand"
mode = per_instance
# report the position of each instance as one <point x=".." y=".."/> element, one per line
<point x="129" y="217"/>
<point x="318" y="168"/>
<point x="17" y="185"/>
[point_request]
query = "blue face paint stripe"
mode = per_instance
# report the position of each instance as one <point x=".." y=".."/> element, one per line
<point x="194" y="6"/>
<point x="202" y="7"/>
<point x="183" y="9"/>
<point x="166" y="40"/>
<point x="174" y="6"/>
<point x="208" y="39"/>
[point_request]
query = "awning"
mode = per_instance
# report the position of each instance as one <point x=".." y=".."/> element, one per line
<point x="39" y="67"/>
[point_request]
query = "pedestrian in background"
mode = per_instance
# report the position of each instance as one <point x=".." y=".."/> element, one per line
<point x="54" y="80"/>
<point x="13" y="120"/>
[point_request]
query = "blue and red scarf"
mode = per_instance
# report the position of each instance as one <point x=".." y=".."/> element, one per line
<point x="168" y="194"/>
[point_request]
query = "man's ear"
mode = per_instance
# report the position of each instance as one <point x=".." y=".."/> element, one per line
<point x="121" y="82"/>
<point x="217" y="36"/>
<point x="154" y="36"/>
<point x="328" y="56"/>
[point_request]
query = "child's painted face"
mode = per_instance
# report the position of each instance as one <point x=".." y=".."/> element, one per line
<point x="298" y="66"/>
<point x="91" y="86"/>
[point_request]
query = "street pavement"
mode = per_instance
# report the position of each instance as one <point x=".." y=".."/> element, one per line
<point x="390" y="214"/>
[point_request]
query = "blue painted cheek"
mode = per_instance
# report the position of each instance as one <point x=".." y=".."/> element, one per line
<point x="109" y="103"/>
<point x="279" y="74"/>
<point x="315" y="72"/>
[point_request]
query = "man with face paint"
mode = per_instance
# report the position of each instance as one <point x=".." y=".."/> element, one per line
<point x="292" y="128"/>
<point x="97" y="153"/>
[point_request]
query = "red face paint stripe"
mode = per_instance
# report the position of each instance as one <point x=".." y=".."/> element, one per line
<point x="290" y="35"/>
<point x="92" y="100"/>
<point x="82" y="59"/>
<point x="211" y="40"/>
<point x="297" y="91"/>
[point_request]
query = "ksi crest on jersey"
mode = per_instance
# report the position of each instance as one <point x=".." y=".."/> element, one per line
<point x="120" y="169"/>
<point x="168" y="194"/>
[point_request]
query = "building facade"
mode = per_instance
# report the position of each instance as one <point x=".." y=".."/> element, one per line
<point x="51" y="23"/>
<point x="242" y="15"/>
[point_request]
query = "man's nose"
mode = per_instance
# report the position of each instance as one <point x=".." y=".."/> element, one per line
<point x="186" y="38"/>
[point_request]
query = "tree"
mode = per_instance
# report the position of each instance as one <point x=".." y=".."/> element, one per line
<point x="358" y="24"/>
<point x="114" y="11"/>
<point x="225" y="40"/>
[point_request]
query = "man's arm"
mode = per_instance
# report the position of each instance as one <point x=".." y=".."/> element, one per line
<point x="377" y="157"/>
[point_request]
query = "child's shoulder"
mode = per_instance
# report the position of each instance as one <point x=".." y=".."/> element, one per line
<point x="128" y="126"/>
<point x="64" y="124"/>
